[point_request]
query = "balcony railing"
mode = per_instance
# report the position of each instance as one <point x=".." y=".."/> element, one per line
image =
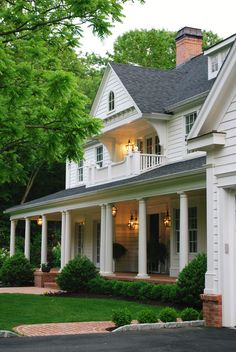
<point x="149" y="161"/>
<point x="133" y="164"/>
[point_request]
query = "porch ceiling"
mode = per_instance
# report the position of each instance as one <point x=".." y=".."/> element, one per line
<point x="122" y="134"/>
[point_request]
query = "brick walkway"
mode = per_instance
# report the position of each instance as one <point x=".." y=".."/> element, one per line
<point x="64" y="328"/>
<point x="27" y="290"/>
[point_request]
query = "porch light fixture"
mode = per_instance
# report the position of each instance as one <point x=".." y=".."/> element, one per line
<point x="114" y="210"/>
<point x="133" y="222"/>
<point x="39" y="220"/>
<point x="129" y="146"/>
<point x="167" y="219"/>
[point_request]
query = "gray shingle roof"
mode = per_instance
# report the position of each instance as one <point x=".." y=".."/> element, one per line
<point x="165" y="170"/>
<point x="154" y="90"/>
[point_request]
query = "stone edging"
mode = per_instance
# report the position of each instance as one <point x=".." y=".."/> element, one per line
<point x="5" y="333"/>
<point x="156" y="326"/>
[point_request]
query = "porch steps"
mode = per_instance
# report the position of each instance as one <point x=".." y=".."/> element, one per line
<point x="51" y="285"/>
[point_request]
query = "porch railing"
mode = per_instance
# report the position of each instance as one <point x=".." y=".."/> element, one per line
<point x="149" y="161"/>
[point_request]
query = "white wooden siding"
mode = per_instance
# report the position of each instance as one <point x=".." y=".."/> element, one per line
<point x="122" y="98"/>
<point x="225" y="158"/>
<point x="176" y="138"/>
<point x="89" y="156"/>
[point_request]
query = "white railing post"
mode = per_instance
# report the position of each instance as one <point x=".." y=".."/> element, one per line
<point x="136" y="163"/>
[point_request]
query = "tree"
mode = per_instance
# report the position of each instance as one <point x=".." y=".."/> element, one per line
<point x="44" y="115"/>
<point x="152" y="48"/>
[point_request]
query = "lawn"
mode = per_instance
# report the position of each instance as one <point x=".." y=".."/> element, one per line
<point x="17" y="309"/>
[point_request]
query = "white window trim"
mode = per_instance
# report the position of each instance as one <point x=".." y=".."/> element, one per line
<point x="108" y="102"/>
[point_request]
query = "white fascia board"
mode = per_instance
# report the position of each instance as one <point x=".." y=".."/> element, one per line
<point x="221" y="45"/>
<point x="207" y="141"/>
<point x="212" y="100"/>
<point x="157" y="116"/>
<point x="134" y="104"/>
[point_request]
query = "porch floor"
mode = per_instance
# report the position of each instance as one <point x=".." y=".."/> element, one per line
<point x="153" y="278"/>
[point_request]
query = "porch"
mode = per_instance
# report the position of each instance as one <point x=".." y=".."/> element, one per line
<point x="48" y="280"/>
<point x="160" y="234"/>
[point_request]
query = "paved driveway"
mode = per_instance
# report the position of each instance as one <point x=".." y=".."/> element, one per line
<point x="165" y="340"/>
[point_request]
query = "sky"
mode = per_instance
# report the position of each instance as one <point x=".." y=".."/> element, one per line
<point x="172" y="15"/>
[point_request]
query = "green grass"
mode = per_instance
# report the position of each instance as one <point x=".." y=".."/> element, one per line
<point x="18" y="309"/>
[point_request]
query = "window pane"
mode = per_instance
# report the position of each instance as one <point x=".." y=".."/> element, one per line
<point x="111" y="101"/>
<point x="189" y="121"/>
<point x="99" y="152"/>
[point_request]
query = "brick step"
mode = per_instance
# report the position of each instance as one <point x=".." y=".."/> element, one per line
<point x="52" y="285"/>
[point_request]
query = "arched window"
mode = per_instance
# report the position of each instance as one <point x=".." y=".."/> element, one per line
<point x="111" y="101"/>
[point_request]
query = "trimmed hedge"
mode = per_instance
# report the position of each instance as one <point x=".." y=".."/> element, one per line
<point x="138" y="290"/>
<point x="168" y="314"/>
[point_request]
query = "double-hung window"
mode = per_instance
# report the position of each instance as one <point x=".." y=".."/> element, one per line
<point x="192" y="229"/>
<point x="189" y="121"/>
<point x="81" y="171"/>
<point x="99" y="156"/>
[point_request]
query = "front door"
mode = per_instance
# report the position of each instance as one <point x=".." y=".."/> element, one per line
<point x="157" y="252"/>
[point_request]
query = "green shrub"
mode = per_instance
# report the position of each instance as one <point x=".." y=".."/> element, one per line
<point x="189" y="314"/>
<point x="168" y="314"/>
<point x="200" y="316"/>
<point x="76" y="275"/>
<point x="17" y="271"/>
<point x="145" y="291"/>
<point x="134" y="288"/>
<point x="156" y="292"/>
<point x="4" y="254"/>
<point x="191" y="281"/>
<point x="146" y="316"/>
<point x="121" y="317"/>
<point x="169" y="293"/>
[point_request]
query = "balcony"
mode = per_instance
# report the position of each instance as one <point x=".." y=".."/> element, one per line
<point x="133" y="164"/>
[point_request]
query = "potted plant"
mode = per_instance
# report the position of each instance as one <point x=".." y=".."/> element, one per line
<point x="45" y="267"/>
<point x="118" y="251"/>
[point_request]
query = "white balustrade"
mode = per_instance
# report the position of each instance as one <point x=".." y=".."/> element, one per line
<point x="150" y="161"/>
<point x="133" y="164"/>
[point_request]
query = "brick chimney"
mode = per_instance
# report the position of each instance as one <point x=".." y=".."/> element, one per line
<point x="188" y="44"/>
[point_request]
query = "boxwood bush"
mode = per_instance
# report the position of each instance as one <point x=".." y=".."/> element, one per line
<point x="168" y="314"/>
<point x="147" y="316"/>
<point x="17" y="271"/>
<point x="75" y="276"/>
<point x="191" y="281"/>
<point x="189" y="314"/>
<point x="121" y="317"/>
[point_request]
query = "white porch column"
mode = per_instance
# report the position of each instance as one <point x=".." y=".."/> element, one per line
<point x="103" y="239"/>
<point x="142" y="240"/>
<point x="13" y="237"/>
<point x="63" y="225"/>
<point x="109" y="242"/>
<point x="27" y="238"/>
<point x="44" y="240"/>
<point x="67" y="237"/>
<point x="183" y="231"/>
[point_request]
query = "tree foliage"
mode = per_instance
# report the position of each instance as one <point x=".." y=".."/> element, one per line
<point x="152" y="48"/>
<point x="44" y="114"/>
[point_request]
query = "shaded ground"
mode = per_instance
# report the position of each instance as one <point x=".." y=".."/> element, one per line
<point x="166" y="340"/>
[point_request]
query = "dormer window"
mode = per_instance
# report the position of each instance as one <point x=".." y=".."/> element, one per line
<point x="214" y="64"/>
<point x="111" y="101"/>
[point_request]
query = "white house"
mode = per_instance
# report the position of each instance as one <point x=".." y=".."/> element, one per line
<point x="160" y="176"/>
